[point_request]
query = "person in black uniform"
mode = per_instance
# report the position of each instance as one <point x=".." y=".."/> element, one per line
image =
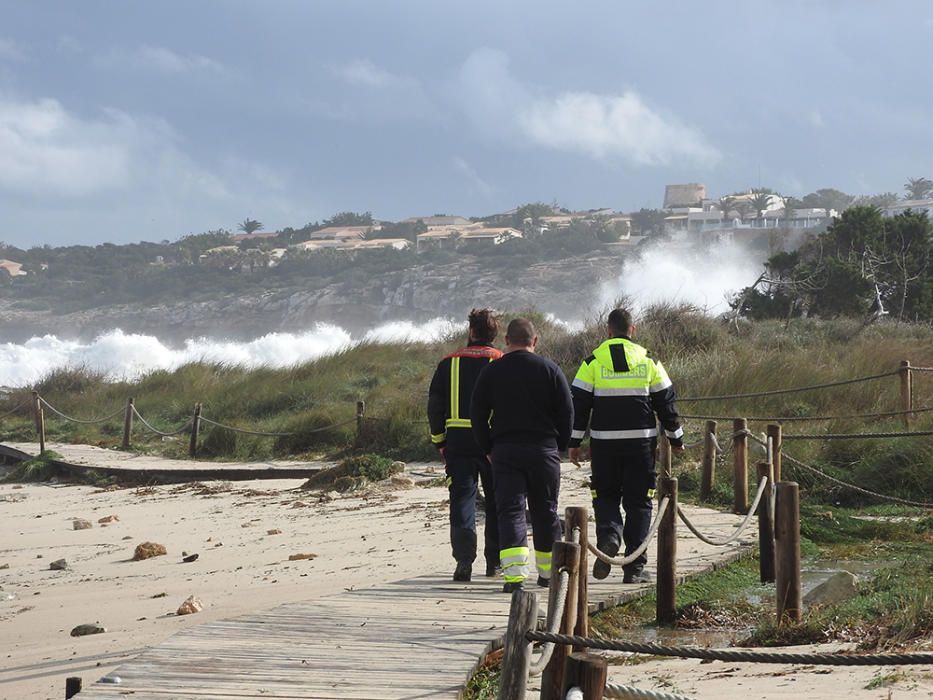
<point x="522" y="415"/>
<point x="465" y="462"/>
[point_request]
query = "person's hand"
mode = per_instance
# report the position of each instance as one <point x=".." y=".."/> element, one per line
<point x="574" y="454"/>
<point x="443" y="453"/>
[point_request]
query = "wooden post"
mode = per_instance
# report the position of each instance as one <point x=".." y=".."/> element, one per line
<point x="667" y="556"/>
<point x="578" y="516"/>
<point x="360" y="412"/>
<point x="775" y="432"/>
<point x="36" y="408"/>
<point x="523" y="613"/>
<point x="195" y="431"/>
<point x="127" y="424"/>
<point x="740" y="466"/>
<point x="588" y="672"/>
<point x="565" y="555"/>
<point x="787" y="552"/>
<point x="907" y="398"/>
<point x="72" y="686"/>
<point x="41" y="430"/>
<point x="664" y="456"/>
<point x="765" y="526"/>
<point x="709" y="460"/>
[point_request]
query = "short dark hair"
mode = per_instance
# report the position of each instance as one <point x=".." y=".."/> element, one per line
<point x="521" y="332"/>
<point x="484" y="326"/>
<point x="620" y="321"/>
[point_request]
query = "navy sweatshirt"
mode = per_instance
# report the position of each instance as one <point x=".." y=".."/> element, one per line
<point x="528" y="399"/>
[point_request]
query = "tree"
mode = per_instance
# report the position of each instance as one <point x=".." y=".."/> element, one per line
<point x="918" y="188"/>
<point x="648" y="221"/>
<point x="350" y="218"/>
<point x="249" y="226"/>
<point x="882" y="200"/>
<point x="827" y="198"/>
<point x="761" y="201"/>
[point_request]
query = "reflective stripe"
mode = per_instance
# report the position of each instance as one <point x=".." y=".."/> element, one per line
<point x="652" y="493"/>
<point x="454" y="388"/>
<point x="543" y="563"/>
<point x="440" y="437"/>
<point x="580" y="384"/>
<point x="514" y="561"/>
<point x="577" y="434"/>
<point x="661" y="385"/>
<point x="593" y="494"/>
<point x="620" y="391"/>
<point x="623" y="434"/>
<point x="675" y="434"/>
<point x="458" y="423"/>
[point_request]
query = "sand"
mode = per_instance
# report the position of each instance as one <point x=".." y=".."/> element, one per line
<point x="358" y="539"/>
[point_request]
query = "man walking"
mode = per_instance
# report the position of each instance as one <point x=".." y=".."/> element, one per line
<point x="624" y="389"/>
<point x="465" y="462"/>
<point x="522" y="415"/>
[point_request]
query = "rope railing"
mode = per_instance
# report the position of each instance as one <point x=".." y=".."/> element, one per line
<point x="921" y="369"/>
<point x="264" y="433"/>
<point x="555" y="615"/>
<point x="185" y="427"/>
<point x="791" y="419"/>
<point x="627" y="692"/>
<point x="19" y="406"/>
<point x="738" y="531"/>
<point x="856" y="436"/>
<point x="629" y="558"/>
<point x="792" y="390"/>
<point x="82" y="421"/>
<point x="737" y="655"/>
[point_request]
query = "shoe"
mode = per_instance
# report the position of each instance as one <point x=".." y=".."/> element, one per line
<point x="492" y="570"/>
<point x="463" y="572"/>
<point x="600" y="568"/>
<point x="512" y="586"/>
<point x="544" y="582"/>
<point x="636" y="577"/>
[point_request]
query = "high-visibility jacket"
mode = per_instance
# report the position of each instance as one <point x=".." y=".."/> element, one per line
<point x="450" y="394"/>
<point x="623" y="388"/>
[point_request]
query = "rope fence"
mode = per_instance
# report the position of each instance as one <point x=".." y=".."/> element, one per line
<point x="792" y="390"/>
<point x="554" y="619"/>
<point x="791" y="419"/>
<point x="81" y="421"/>
<point x="627" y="692"/>
<point x="738" y="531"/>
<point x="629" y="558"/>
<point x="184" y="428"/>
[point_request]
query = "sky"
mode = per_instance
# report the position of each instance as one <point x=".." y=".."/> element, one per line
<point x="129" y="121"/>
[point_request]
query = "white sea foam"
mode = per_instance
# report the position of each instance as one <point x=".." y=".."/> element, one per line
<point x="120" y="355"/>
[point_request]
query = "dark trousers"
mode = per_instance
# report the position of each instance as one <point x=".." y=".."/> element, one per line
<point x="532" y="473"/>
<point x="623" y="472"/>
<point x="464" y="474"/>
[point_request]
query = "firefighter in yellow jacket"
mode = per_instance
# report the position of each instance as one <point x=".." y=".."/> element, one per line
<point x="465" y="462"/>
<point x="618" y="392"/>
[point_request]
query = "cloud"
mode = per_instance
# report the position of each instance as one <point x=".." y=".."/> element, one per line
<point x="10" y="51"/>
<point x="160" y="60"/>
<point x="47" y="151"/>
<point x="368" y="92"/>
<point x="477" y="183"/>
<point x="815" y="119"/>
<point x="600" y="126"/>
<point x="366" y="74"/>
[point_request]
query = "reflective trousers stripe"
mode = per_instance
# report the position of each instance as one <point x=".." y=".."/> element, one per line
<point x="514" y="561"/>
<point x="440" y="437"/>
<point x="458" y="423"/>
<point x="543" y="562"/>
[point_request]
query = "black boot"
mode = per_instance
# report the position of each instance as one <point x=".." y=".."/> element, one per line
<point x="600" y="568"/>
<point x="464" y="571"/>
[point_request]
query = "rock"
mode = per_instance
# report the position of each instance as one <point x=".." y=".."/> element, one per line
<point x="4" y="566"/>
<point x="274" y="531"/>
<point x="84" y="630"/>
<point x="841" y="586"/>
<point x="109" y="519"/>
<point x="160" y="595"/>
<point x="397" y="467"/>
<point x="190" y="606"/>
<point x="127" y="537"/>
<point x="299" y="504"/>
<point x="58" y="565"/>
<point x="402" y="482"/>
<point x="300" y="556"/>
<point x="147" y="550"/>
<point x="81" y="524"/>
<point x="190" y="558"/>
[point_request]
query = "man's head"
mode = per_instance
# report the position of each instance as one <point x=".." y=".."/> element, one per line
<point x="484" y="326"/>
<point x="521" y="335"/>
<point x="620" y="322"/>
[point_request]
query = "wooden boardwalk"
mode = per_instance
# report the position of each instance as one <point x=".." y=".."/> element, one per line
<point x="417" y="638"/>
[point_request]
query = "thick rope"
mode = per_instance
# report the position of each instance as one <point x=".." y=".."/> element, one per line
<point x="263" y="433"/>
<point x="921" y="369"/>
<point x="738" y="531"/>
<point x="855" y="436"/>
<point x="628" y="559"/>
<point x="80" y="420"/>
<point x="627" y="692"/>
<point x="790" y="419"/>
<point x="776" y="392"/>
<point x="172" y="433"/>
<point x="555" y="616"/>
<point x="894" y="499"/>
<point x="735" y="655"/>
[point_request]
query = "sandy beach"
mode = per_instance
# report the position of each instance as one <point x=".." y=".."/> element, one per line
<point x="244" y="534"/>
